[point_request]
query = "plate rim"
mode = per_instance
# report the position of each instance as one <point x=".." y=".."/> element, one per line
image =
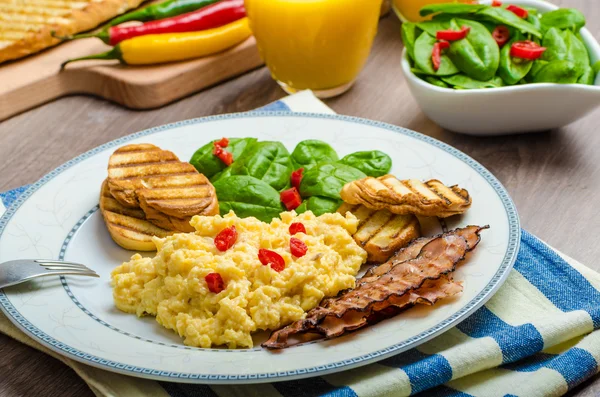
<point x="460" y="315"/>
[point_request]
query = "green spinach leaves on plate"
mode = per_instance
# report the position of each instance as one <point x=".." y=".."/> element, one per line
<point x="251" y="186"/>
<point x="483" y="59"/>
<point x="248" y="196"/>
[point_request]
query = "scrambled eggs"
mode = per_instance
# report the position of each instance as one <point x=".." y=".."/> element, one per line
<point x="172" y="286"/>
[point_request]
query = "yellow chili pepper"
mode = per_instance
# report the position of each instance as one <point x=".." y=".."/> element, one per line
<point x="171" y="47"/>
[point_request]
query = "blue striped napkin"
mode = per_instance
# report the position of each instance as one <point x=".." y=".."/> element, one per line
<point x="538" y="336"/>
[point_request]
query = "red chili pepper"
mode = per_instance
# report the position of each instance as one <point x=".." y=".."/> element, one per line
<point x="519" y="11"/>
<point x="297" y="227"/>
<point x="208" y="17"/>
<point x="215" y="282"/>
<point x="453" y="35"/>
<point x="290" y="198"/>
<point x="272" y="258"/>
<point x="527" y="50"/>
<point x="296" y="178"/>
<point x="501" y="34"/>
<point x="436" y="55"/>
<point x="496" y="3"/>
<point x="223" y="142"/>
<point x="297" y="247"/>
<point x="226" y="238"/>
<point x="225" y="156"/>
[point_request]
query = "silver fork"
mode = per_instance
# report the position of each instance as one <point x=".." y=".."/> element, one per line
<point x="19" y="271"/>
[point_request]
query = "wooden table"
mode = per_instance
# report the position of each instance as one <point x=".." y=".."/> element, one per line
<point x="554" y="177"/>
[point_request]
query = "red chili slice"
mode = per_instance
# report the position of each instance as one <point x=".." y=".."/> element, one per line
<point x="519" y="11"/>
<point x="290" y="198"/>
<point x="496" y="3"/>
<point x="297" y="247"/>
<point x="225" y="156"/>
<point x="223" y="142"/>
<point x="453" y="35"/>
<point x="215" y="282"/>
<point x="271" y="258"/>
<point x="436" y="55"/>
<point x="296" y="178"/>
<point x="297" y="227"/>
<point x="501" y="34"/>
<point x="226" y="238"/>
<point x="527" y="50"/>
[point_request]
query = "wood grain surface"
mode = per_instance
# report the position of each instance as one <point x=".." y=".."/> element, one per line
<point x="554" y="177"/>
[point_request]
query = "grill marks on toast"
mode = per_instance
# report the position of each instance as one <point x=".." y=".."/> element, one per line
<point x="381" y="233"/>
<point x="166" y="189"/>
<point x="26" y="25"/>
<point x="128" y="227"/>
<point x="431" y="198"/>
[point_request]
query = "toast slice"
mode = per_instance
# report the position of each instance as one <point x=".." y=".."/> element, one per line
<point x="26" y="26"/>
<point x="128" y="227"/>
<point x="169" y="191"/>
<point x="431" y="198"/>
<point x="380" y="232"/>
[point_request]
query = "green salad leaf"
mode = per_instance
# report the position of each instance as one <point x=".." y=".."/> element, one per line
<point x="248" y="196"/>
<point x="373" y="163"/>
<point x="319" y="205"/>
<point x="311" y="152"/>
<point x="208" y="164"/>
<point x="327" y="180"/>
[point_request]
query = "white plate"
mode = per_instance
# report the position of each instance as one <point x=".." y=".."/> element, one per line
<point x="58" y="218"/>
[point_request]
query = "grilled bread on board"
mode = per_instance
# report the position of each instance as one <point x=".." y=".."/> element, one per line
<point x="26" y="26"/>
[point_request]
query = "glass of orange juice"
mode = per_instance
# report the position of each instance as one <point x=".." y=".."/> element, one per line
<point x="408" y="10"/>
<point x="320" y="45"/>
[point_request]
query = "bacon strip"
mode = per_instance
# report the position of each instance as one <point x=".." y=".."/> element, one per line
<point x="398" y="285"/>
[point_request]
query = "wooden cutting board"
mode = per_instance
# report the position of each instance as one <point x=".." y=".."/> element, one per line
<point x="32" y="81"/>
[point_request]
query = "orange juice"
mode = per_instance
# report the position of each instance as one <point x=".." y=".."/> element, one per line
<point x="320" y="45"/>
<point x="409" y="9"/>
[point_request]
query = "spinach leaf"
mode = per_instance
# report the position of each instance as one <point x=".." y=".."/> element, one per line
<point x="208" y="164"/>
<point x="423" y="50"/>
<point x="267" y="161"/>
<point x="535" y="21"/>
<point x="564" y="18"/>
<point x="432" y="27"/>
<point x="461" y="81"/>
<point x="588" y="77"/>
<point x="435" y="81"/>
<point x="410" y="32"/>
<point x="451" y="8"/>
<point x="248" y="196"/>
<point x="373" y="163"/>
<point x="223" y="174"/>
<point x="564" y="45"/>
<point x="561" y="72"/>
<point x="504" y="17"/>
<point x="327" y="180"/>
<point x="319" y="205"/>
<point x="512" y="70"/>
<point x="311" y="152"/>
<point x="477" y="55"/>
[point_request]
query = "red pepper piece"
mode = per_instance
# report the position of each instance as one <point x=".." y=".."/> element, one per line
<point x="297" y="247"/>
<point x="453" y="35"/>
<point x="297" y="227"/>
<point x="225" y="156"/>
<point x="436" y="55"/>
<point x="223" y="142"/>
<point x="296" y="178"/>
<point x="208" y="17"/>
<point x="290" y="198"/>
<point x="501" y="34"/>
<point x="519" y="11"/>
<point x="527" y="50"/>
<point x="271" y="258"/>
<point x="215" y="282"/>
<point x="496" y="3"/>
<point x="226" y="238"/>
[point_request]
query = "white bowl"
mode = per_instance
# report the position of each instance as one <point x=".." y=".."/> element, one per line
<point x="506" y="110"/>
